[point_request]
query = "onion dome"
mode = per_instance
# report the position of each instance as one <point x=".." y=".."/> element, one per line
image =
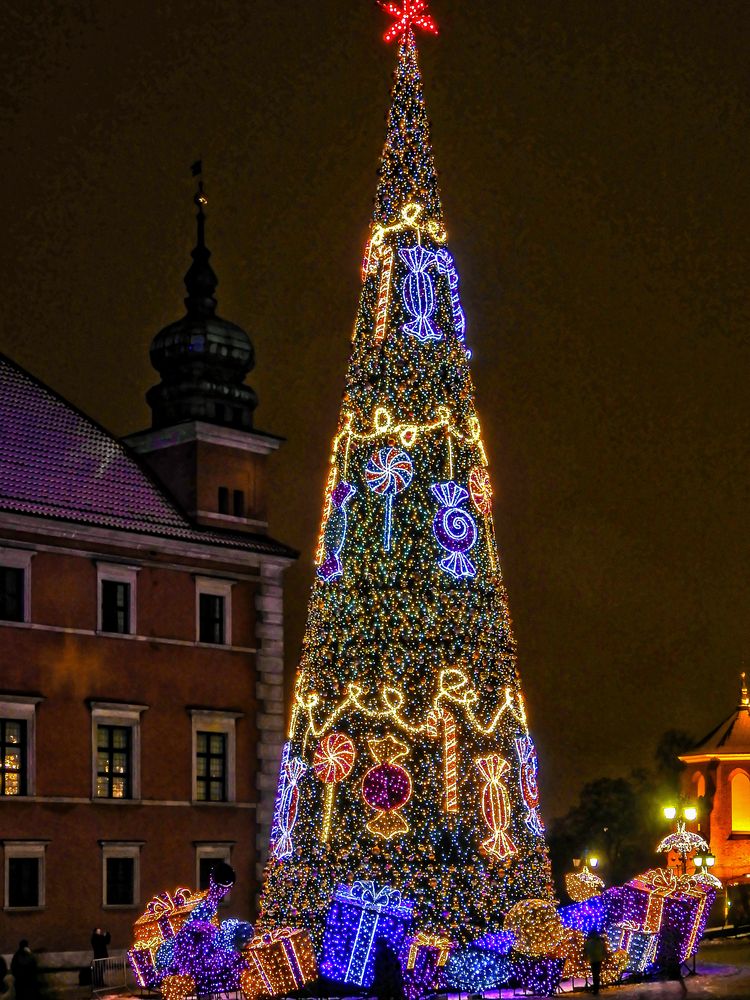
<point x="202" y="359"/>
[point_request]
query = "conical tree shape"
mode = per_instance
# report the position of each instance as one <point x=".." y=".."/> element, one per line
<point x="409" y="760"/>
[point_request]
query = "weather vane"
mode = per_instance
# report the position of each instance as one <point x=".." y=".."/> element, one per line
<point x="411" y="14"/>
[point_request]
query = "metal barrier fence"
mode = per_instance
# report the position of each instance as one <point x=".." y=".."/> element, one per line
<point x="109" y="974"/>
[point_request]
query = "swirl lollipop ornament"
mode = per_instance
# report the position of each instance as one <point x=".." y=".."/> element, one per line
<point x="419" y="294"/>
<point x="455" y="529"/>
<point x="388" y="473"/>
<point x="333" y="761"/>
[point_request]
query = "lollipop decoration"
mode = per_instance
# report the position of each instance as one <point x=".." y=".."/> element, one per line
<point x="496" y="806"/>
<point x="455" y="529"/>
<point x="529" y="788"/>
<point x="388" y="473"/>
<point x="333" y="761"/>
<point x="334" y="534"/>
<point x="419" y="294"/>
<point x="480" y="488"/>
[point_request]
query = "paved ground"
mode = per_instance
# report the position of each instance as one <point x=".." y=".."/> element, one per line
<point x="723" y="973"/>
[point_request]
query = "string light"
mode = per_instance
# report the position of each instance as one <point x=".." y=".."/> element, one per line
<point x="277" y="963"/>
<point x="408" y="634"/>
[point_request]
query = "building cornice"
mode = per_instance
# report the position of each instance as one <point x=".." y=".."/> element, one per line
<point x="258" y="442"/>
<point x="87" y="535"/>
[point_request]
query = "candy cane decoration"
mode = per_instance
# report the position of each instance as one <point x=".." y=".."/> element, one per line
<point x="333" y="761"/>
<point x="384" y="294"/>
<point x="437" y="718"/>
<point x="496" y="806"/>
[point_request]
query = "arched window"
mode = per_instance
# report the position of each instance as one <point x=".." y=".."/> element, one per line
<point x="699" y="783"/>
<point x="740" y="802"/>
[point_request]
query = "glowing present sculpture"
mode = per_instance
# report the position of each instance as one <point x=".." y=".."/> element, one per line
<point x="425" y="961"/>
<point x="357" y="916"/>
<point x="482" y="965"/>
<point x="676" y="907"/>
<point x="180" y="946"/>
<point x="583" y="885"/>
<point x="278" y="962"/>
<point x="536" y="927"/>
<point x="639" y="946"/>
<point x="455" y="529"/>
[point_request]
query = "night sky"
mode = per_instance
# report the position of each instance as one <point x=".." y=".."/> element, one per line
<point x="594" y="173"/>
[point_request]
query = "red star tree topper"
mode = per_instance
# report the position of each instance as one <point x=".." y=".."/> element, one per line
<point x="411" y="14"/>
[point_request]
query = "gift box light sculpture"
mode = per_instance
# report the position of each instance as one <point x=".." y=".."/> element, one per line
<point x="359" y="914"/>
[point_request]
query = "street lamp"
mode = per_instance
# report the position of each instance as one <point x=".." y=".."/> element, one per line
<point x="685" y="842"/>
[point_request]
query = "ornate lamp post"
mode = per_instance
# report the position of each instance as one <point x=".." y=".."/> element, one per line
<point x="684" y="841"/>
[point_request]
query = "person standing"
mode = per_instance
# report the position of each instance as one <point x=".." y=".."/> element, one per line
<point x="99" y="941"/>
<point x="595" y="951"/>
<point x="23" y="967"/>
<point x="388" y="983"/>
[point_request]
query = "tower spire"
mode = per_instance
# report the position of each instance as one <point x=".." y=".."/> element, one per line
<point x="202" y="359"/>
<point x="200" y="279"/>
<point x="744" y="700"/>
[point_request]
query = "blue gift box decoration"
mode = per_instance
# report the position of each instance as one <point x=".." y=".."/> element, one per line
<point x="358" y="915"/>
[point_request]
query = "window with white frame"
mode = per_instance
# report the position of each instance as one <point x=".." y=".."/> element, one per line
<point x="213" y="611"/>
<point x="207" y="856"/>
<point x="15" y="584"/>
<point x="18" y="744"/>
<point x="116" y="598"/>
<point x="116" y="751"/>
<point x="214" y="754"/>
<point x="24" y="874"/>
<point x="121" y="862"/>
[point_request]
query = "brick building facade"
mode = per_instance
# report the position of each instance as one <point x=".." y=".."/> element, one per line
<point x="141" y="642"/>
<point x="717" y="776"/>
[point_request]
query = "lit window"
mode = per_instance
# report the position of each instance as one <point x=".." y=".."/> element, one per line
<point x="113" y="762"/>
<point x="214" y="754"/>
<point x="115" y="742"/>
<point x="740" y="802"/>
<point x="214" y="611"/>
<point x="120" y="872"/>
<point x="116" y="585"/>
<point x="17" y="744"/>
<point x="24" y="874"/>
<point x="12" y="756"/>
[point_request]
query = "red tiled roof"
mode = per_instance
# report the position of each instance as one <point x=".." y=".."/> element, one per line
<point x="56" y="462"/>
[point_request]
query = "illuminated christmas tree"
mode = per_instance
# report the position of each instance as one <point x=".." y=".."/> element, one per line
<point x="409" y="761"/>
